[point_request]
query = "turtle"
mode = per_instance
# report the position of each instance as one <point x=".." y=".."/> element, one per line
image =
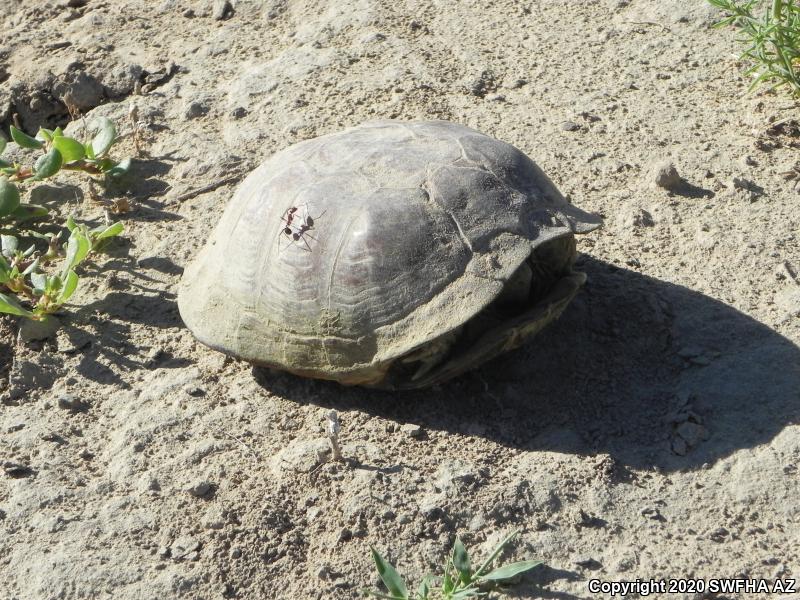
<point x="393" y="254"/>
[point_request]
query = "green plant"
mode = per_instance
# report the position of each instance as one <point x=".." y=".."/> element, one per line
<point x="772" y="40"/>
<point x="33" y="287"/>
<point x="458" y="581"/>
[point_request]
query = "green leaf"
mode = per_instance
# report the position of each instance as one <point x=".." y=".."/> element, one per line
<point x="424" y="588"/>
<point x="120" y="168"/>
<point x="9" y="244"/>
<point x="70" y="224"/>
<point x="106" y="136"/>
<point x="447" y="580"/>
<point x="105" y="164"/>
<point x="2" y="144"/>
<point x="110" y="231"/>
<point x="54" y="284"/>
<point x="89" y="151"/>
<point x="4" y="164"/>
<point x="470" y="592"/>
<point x="24" y="140"/>
<point x="511" y="570"/>
<point x="78" y="246"/>
<point x="48" y="165"/>
<point x="9" y="197"/>
<point x="390" y="577"/>
<point x="25" y="212"/>
<point x="70" y="285"/>
<point x="39" y="281"/>
<point x="44" y="135"/>
<point x="32" y="267"/>
<point x="70" y="148"/>
<point x="9" y="305"/>
<point x="58" y="131"/>
<point x="461" y="561"/>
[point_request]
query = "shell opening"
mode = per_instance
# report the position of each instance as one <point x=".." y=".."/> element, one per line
<point x="548" y="264"/>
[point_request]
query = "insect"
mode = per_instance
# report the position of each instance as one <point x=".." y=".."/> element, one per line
<point x="298" y="232"/>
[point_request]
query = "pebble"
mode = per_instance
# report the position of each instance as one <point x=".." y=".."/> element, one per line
<point x="195" y="110"/>
<point x="679" y="446"/>
<point x="70" y="402"/>
<point x="34" y="331"/>
<point x="200" y="488"/>
<point x="221" y="9"/>
<point x="184" y="548"/>
<point x="666" y="176"/>
<point x="691" y="433"/>
<point x="570" y="126"/>
<point x="718" y="535"/>
<point x="412" y="430"/>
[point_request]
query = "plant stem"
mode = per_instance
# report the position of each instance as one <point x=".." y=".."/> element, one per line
<point x="777" y="9"/>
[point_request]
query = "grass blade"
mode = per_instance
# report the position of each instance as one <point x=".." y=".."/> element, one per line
<point x="488" y="562"/>
<point x="390" y="577"/>
<point x="511" y="570"/>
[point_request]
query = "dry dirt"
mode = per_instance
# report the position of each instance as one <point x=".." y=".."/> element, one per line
<point x="652" y="432"/>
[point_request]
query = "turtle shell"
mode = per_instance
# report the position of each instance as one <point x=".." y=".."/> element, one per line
<point x="351" y="255"/>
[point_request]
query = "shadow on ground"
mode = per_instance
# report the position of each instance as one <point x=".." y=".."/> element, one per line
<point x="631" y="361"/>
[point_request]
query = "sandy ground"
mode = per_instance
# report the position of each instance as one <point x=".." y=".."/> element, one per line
<point x="652" y="432"/>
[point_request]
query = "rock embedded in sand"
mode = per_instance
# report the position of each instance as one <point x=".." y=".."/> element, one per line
<point x="666" y="176"/>
<point x="412" y="430"/>
<point x="200" y="488"/>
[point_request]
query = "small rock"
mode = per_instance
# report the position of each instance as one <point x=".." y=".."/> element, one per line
<point x="495" y="97"/>
<point x="373" y="37"/>
<point x="195" y="110"/>
<point x="514" y="83"/>
<point x="412" y="430"/>
<point x="570" y="126"/>
<point x="323" y="572"/>
<point x="748" y="161"/>
<point x="718" y="535"/>
<point x="640" y="218"/>
<point x="239" y="112"/>
<point x="666" y="176"/>
<point x="214" y="519"/>
<point x="236" y="552"/>
<point x="184" y="548"/>
<point x="201" y="488"/>
<point x="679" y="446"/>
<point x="34" y="331"/>
<point x="221" y="9"/>
<point x="70" y="402"/>
<point x="149" y="484"/>
<point x="155" y="355"/>
<point x="189" y="13"/>
<point x="195" y="390"/>
<point x="692" y="433"/>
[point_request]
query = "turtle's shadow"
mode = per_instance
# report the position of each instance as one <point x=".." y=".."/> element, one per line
<point x="653" y="373"/>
